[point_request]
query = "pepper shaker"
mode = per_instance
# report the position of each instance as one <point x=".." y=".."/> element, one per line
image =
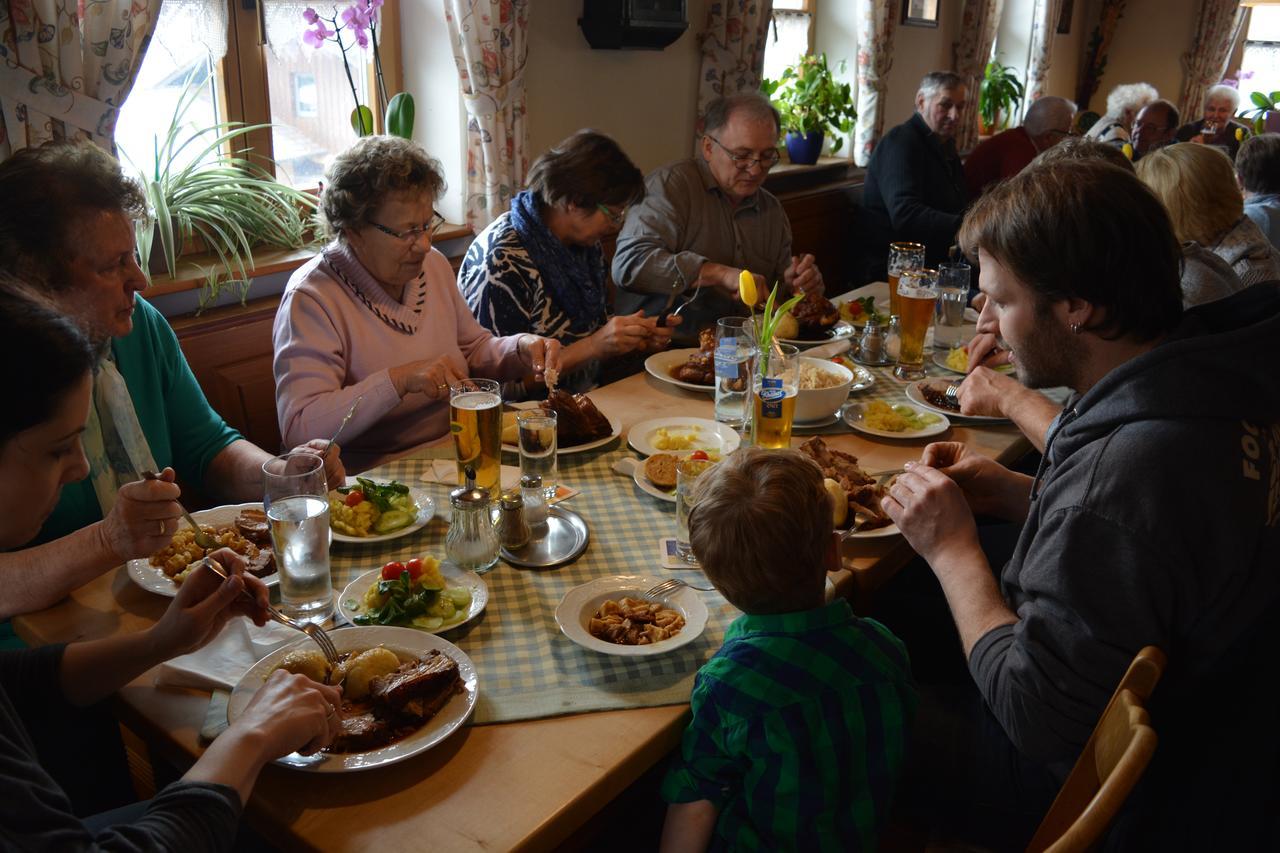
<point x="512" y="527"/>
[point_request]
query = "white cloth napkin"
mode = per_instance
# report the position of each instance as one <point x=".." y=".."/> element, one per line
<point x="829" y="350"/>
<point x="224" y="660"/>
<point x="446" y="471"/>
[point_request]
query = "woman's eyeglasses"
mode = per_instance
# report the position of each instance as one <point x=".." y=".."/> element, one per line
<point x="615" y="218"/>
<point x="411" y="235"/>
<point x="744" y="162"/>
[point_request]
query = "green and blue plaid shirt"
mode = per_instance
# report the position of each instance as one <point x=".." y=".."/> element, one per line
<point x="798" y="731"/>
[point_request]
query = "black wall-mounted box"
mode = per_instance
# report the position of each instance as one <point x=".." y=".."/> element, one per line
<point x="633" y="24"/>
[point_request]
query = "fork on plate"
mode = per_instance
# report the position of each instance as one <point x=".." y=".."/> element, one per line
<point x="313" y="631"/>
<point x="669" y="586"/>
<point x="204" y="540"/>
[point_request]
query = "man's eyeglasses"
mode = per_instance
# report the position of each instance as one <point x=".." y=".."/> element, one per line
<point x="411" y="235"/>
<point x="745" y="161"/>
<point x="615" y="218"/>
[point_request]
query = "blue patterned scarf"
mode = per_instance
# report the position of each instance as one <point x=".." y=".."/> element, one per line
<point x="573" y="275"/>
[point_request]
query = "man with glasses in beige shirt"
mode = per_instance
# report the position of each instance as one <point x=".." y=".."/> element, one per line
<point x="704" y="220"/>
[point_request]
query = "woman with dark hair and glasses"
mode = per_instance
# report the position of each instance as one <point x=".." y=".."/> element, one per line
<point x="43" y="691"/>
<point x="539" y="267"/>
<point x="377" y="314"/>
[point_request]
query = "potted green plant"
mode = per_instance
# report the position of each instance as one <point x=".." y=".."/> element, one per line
<point x="199" y="194"/>
<point x="811" y="102"/>
<point x="1265" y="115"/>
<point x="999" y="96"/>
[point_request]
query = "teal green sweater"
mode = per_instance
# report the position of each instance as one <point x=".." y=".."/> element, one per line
<point x="183" y="431"/>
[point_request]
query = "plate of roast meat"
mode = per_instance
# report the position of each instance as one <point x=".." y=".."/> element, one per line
<point x="241" y="527"/>
<point x="580" y="426"/>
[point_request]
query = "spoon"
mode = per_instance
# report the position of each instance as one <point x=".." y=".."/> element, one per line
<point x="204" y="540"/>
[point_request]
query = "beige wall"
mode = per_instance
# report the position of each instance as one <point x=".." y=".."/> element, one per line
<point x="646" y="99"/>
<point x="1148" y="46"/>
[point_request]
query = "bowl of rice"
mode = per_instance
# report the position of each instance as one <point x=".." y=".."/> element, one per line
<point x="824" y="386"/>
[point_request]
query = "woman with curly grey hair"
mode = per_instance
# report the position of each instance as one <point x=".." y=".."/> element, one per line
<point x="1124" y="102"/>
<point x="377" y="314"/>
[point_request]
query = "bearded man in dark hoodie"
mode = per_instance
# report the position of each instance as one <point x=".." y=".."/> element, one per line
<point x="1154" y="520"/>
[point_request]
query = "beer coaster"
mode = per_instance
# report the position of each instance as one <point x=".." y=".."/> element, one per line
<point x="670" y="558"/>
<point x="563" y="493"/>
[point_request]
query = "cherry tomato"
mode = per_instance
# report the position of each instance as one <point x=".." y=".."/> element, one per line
<point x="414" y="568"/>
<point x="699" y="454"/>
<point x="353" y="497"/>
<point x="855" y="308"/>
<point x="391" y="571"/>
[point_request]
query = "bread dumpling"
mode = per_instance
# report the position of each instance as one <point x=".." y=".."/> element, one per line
<point x="365" y="667"/>
<point x="308" y="662"/>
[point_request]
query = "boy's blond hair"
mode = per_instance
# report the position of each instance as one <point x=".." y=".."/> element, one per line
<point x="761" y="526"/>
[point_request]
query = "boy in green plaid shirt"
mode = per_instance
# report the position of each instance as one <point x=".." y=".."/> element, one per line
<point x="799" y="721"/>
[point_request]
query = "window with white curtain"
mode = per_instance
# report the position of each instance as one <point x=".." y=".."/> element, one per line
<point x="255" y="68"/>
<point x="1260" y="68"/>
<point x="790" y="36"/>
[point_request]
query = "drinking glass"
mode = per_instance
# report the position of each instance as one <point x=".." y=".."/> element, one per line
<point x="735" y="343"/>
<point x="537" y="429"/>
<point x="776" y="384"/>
<point x="687" y="473"/>
<point x="475" y="419"/>
<point x="917" y="295"/>
<point x="953" y="296"/>
<point x="902" y="256"/>
<point x="296" y="500"/>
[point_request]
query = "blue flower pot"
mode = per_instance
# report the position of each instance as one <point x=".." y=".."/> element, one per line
<point x="804" y="150"/>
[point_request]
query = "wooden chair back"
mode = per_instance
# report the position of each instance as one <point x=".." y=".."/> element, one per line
<point x="1111" y="764"/>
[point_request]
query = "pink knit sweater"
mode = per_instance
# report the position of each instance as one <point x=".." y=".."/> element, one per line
<point x="331" y="347"/>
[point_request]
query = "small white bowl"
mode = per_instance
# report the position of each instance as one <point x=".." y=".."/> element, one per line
<point x="821" y="403"/>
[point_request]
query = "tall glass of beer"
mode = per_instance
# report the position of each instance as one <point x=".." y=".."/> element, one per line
<point x="777" y="382"/>
<point x="917" y="296"/>
<point x="902" y="256"/>
<point x="475" y="419"/>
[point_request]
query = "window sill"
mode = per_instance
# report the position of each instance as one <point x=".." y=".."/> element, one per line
<point x="790" y="177"/>
<point x="193" y="269"/>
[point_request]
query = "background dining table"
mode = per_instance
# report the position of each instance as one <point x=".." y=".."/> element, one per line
<point x="541" y="758"/>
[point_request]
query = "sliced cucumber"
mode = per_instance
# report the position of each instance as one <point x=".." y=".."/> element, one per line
<point x="461" y="596"/>
<point x="392" y="520"/>
<point x="431" y="623"/>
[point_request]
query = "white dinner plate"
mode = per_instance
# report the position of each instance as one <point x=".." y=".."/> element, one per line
<point x="914" y="395"/>
<point x="405" y="642"/>
<point x="713" y="437"/>
<point x="353" y="595"/>
<point x="581" y="602"/>
<point x="852" y="415"/>
<point x="660" y="364"/>
<point x="877" y="533"/>
<point x="841" y="331"/>
<point x="153" y="579"/>
<point x="615" y="431"/>
<point x="940" y="359"/>
<point x="636" y="469"/>
<point x="426" y="509"/>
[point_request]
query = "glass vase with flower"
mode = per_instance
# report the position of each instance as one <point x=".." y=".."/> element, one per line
<point x="777" y="373"/>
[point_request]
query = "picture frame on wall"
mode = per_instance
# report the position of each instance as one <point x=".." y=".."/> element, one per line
<point x="920" y="13"/>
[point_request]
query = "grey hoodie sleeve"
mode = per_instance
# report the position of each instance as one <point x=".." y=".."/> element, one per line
<point x="1092" y="594"/>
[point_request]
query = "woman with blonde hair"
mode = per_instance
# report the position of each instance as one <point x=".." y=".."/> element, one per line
<point x="1197" y="185"/>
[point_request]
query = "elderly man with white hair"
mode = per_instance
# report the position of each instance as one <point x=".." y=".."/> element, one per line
<point x="1216" y="128"/>
<point x="1048" y="122"/>
<point x="1123" y="105"/>
<point x="915" y="184"/>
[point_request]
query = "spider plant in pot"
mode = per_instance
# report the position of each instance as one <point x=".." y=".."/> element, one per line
<point x="811" y="102"/>
<point x="999" y="96"/>
<point x="197" y="192"/>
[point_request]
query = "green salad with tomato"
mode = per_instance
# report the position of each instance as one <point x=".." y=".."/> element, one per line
<point x="413" y="594"/>
<point x="371" y="509"/>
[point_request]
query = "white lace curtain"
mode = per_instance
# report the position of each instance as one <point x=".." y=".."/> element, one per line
<point x="64" y="74"/>
<point x="1044" y="26"/>
<point x="876" y="21"/>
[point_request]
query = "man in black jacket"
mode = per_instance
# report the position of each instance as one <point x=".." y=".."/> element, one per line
<point x="915" y="184"/>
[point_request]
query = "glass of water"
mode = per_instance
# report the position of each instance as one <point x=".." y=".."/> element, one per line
<point x="537" y="428"/>
<point x="687" y="473"/>
<point x="734" y="345"/>
<point x="953" y="296"/>
<point x="296" y="501"/>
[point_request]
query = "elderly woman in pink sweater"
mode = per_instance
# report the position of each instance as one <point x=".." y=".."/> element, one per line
<point x="377" y="314"/>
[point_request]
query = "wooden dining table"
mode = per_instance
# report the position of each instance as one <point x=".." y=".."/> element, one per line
<point x="526" y="785"/>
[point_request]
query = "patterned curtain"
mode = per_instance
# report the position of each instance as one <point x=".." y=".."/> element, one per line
<point x="1095" y="54"/>
<point x="490" y="45"/>
<point x="876" y="20"/>
<point x="979" y="23"/>
<point x="66" y="67"/>
<point x="732" y="46"/>
<point x="1206" y="63"/>
<point x="1044" y="25"/>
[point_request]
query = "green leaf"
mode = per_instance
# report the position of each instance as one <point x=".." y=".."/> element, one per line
<point x="362" y="121"/>
<point x="1260" y="100"/>
<point x="400" y="116"/>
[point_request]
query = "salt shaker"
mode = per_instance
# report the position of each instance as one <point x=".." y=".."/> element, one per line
<point x="512" y="528"/>
<point x="472" y="543"/>
<point x="893" y="339"/>
<point x="871" y="347"/>
<point x="535" y="500"/>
